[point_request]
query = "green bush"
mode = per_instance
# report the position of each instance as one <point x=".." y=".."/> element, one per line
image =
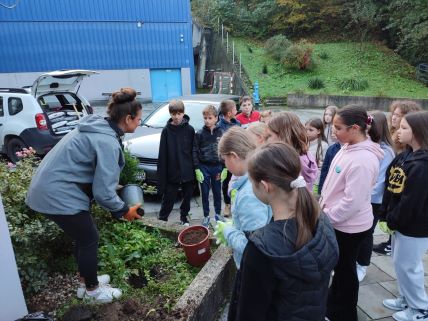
<point x="38" y="243"/>
<point x="276" y="46"/>
<point x="265" y="69"/>
<point x="323" y="55"/>
<point x="315" y="83"/>
<point x="298" y="55"/>
<point x="130" y="174"/>
<point x="353" y="84"/>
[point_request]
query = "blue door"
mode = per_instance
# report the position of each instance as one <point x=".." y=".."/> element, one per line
<point x="166" y="84"/>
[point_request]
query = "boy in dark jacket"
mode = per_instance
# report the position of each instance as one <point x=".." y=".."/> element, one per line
<point x="227" y="119"/>
<point x="175" y="165"/>
<point x="207" y="163"/>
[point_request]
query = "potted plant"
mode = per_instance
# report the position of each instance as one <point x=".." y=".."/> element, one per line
<point x="130" y="180"/>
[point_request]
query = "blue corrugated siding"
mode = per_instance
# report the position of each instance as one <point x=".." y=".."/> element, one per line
<point x="97" y="10"/>
<point x="109" y="41"/>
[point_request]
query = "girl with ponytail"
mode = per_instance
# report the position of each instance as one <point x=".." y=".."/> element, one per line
<point x="345" y="198"/>
<point x="286" y="265"/>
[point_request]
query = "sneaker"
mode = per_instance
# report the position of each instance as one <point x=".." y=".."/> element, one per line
<point x="103" y="294"/>
<point x="184" y="221"/>
<point x="219" y="217"/>
<point x="397" y="304"/>
<point x="103" y="279"/>
<point x="206" y="221"/>
<point x="383" y="248"/>
<point x="411" y="314"/>
<point x="361" y="272"/>
<point x="227" y="211"/>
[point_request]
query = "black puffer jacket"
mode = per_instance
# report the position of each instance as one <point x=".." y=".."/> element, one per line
<point x="279" y="283"/>
<point x="175" y="163"/>
<point x="205" y="146"/>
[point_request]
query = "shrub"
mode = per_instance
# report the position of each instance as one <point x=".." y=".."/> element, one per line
<point x="353" y="84"/>
<point x="249" y="49"/>
<point x="276" y="46"/>
<point x="323" y="55"/>
<point x="315" y="83"/>
<point x="130" y="173"/>
<point x="38" y="243"/>
<point x="265" y="69"/>
<point x="298" y="55"/>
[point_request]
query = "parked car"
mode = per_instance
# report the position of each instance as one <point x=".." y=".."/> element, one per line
<point x="144" y="143"/>
<point x="40" y="115"/>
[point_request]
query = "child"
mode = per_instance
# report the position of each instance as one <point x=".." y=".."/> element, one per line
<point x="286" y="127"/>
<point x="247" y="115"/>
<point x="175" y="166"/>
<point x="265" y="116"/>
<point x="317" y="144"/>
<point x="345" y="198"/>
<point x="329" y="155"/>
<point x="286" y="265"/>
<point x="208" y="165"/>
<point x="405" y="207"/>
<point x="398" y="109"/>
<point x="227" y="120"/>
<point x="327" y="119"/>
<point x="384" y="140"/>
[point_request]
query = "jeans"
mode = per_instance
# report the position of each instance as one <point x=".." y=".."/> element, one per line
<point x="343" y="293"/>
<point x="82" y="230"/>
<point x="211" y="179"/>
<point x="169" y="197"/>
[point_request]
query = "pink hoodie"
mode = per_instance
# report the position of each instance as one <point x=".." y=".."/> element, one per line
<point x="309" y="170"/>
<point x="346" y="194"/>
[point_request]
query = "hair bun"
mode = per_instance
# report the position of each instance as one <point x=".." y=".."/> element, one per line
<point x="124" y="95"/>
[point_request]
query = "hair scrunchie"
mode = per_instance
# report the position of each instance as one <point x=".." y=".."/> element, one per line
<point x="298" y="183"/>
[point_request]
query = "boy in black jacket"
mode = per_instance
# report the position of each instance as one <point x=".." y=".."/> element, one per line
<point x="208" y="165"/>
<point x="175" y="165"/>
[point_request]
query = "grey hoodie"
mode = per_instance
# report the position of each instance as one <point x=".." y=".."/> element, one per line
<point x="85" y="163"/>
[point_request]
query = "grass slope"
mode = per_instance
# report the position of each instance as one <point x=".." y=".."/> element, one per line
<point x="387" y="74"/>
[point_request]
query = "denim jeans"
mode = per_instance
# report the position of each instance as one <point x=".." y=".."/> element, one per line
<point x="211" y="179"/>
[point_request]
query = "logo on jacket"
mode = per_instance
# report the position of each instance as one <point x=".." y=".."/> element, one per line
<point x="396" y="180"/>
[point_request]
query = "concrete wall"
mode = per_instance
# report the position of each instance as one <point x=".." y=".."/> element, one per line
<point x="311" y="101"/>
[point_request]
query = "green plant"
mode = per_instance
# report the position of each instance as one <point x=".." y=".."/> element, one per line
<point x="130" y="173"/>
<point x="323" y="55"/>
<point x="276" y="46"/>
<point x="315" y="83"/>
<point x="353" y="84"/>
<point x="298" y="55"/>
<point x="265" y="69"/>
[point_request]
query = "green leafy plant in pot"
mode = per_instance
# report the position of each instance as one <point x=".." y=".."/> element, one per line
<point x="131" y="179"/>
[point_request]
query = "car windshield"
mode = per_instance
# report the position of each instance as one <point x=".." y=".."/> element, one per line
<point x="193" y="109"/>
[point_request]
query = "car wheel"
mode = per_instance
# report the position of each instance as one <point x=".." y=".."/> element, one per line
<point x="15" y="145"/>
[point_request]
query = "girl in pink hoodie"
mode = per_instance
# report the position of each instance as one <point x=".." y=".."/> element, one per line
<point x="286" y="127"/>
<point x="346" y="199"/>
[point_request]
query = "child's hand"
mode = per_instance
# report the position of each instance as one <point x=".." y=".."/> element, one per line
<point x="223" y="174"/>
<point x="384" y="227"/>
<point x="219" y="232"/>
<point x="199" y="176"/>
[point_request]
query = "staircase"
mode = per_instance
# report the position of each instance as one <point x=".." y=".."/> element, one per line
<point x="222" y="83"/>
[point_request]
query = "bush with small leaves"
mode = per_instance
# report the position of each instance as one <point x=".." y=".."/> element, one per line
<point x="276" y="46"/>
<point x="298" y="55"/>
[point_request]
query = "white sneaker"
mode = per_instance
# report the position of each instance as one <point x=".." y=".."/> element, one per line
<point x="103" y="294"/>
<point x="361" y="272"/>
<point x="397" y="304"/>
<point x="411" y="314"/>
<point x="103" y="279"/>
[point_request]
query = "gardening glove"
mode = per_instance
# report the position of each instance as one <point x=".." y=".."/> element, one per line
<point x="233" y="193"/>
<point x="199" y="176"/>
<point x="384" y="227"/>
<point x="223" y="174"/>
<point x="132" y="213"/>
<point x="219" y="232"/>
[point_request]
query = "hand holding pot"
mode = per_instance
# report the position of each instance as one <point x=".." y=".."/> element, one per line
<point x="132" y="213"/>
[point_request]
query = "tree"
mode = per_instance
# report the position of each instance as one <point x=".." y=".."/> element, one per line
<point x="364" y="19"/>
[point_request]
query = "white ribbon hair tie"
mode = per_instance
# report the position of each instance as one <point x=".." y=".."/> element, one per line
<point x="298" y="182"/>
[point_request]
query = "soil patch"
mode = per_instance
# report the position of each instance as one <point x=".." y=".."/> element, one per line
<point x="194" y="237"/>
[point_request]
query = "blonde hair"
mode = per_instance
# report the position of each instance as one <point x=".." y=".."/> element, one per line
<point x="226" y="106"/>
<point x="210" y="110"/>
<point x="258" y="129"/>
<point x="236" y="140"/>
<point x="265" y="114"/>
<point x="288" y="127"/>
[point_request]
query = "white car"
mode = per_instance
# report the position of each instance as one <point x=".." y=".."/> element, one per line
<point x="40" y="116"/>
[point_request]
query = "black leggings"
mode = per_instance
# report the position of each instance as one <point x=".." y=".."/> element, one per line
<point x="366" y="249"/>
<point x="82" y="230"/>
<point x="225" y="188"/>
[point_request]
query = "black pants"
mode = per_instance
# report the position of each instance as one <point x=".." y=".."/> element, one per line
<point x="366" y="249"/>
<point x="231" y="315"/>
<point x="170" y="196"/>
<point x="82" y="230"/>
<point x="343" y="292"/>
<point x="225" y="187"/>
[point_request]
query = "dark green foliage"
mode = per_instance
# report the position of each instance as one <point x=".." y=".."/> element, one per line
<point x="323" y="55"/>
<point x="315" y="83"/>
<point x="250" y="50"/>
<point x="353" y="84"/>
<point x="130" y="174"/>
<point x="276" y="46"/>
<point x="265" y="69"/>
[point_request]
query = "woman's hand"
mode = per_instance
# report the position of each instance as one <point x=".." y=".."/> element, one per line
<point x="132" y="213"/>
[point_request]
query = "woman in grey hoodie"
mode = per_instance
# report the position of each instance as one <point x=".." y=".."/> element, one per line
<point x="86" y="165"/>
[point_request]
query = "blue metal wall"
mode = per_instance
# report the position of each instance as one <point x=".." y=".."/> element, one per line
<point x="95" y="34"/>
